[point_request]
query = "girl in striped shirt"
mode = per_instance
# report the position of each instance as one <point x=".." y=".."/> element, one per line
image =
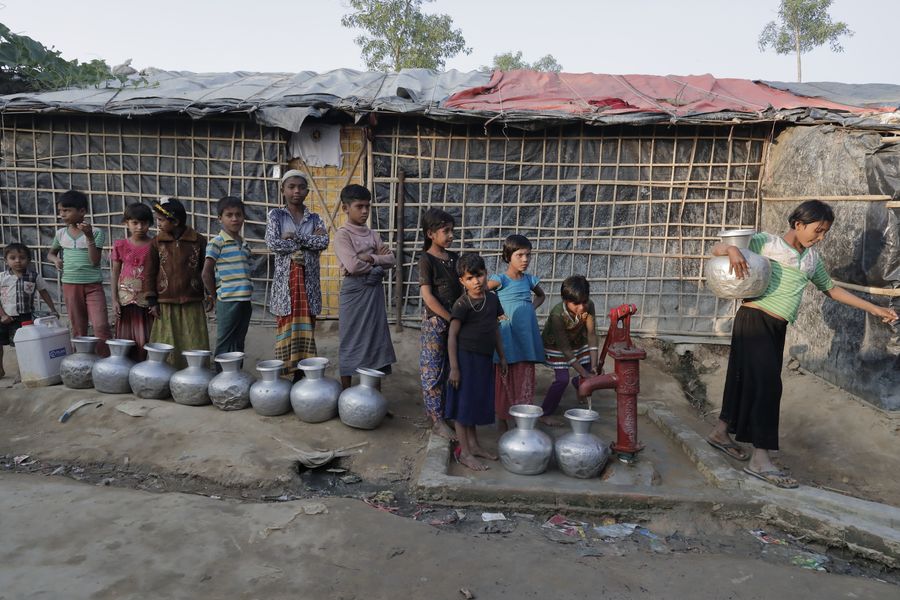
<point x="751" y="402"/>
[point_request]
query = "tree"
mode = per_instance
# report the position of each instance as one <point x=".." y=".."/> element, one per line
<point x="803" y="25"/>
<point x="28" y="65"/>
<point x="400" y="36"/>
<point x="510" y="62"/>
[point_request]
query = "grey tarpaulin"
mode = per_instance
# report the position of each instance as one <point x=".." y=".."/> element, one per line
<point x="872" y="95"/>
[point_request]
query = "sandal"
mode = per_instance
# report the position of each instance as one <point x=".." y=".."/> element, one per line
<point x="776" y="478"/>
<point x="731" y="449"/>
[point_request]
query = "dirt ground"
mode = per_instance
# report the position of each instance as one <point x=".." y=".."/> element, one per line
<point x="829" y="438"/>
<point x="89" y="507"/>
<point x="63" y="539"/>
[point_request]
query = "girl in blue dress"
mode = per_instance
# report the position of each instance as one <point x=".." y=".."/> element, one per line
<point x="520" y="294"/>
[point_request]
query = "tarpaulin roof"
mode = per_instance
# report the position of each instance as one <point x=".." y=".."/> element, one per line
<point x="521" y="98"/>
<point x="595" y="94"/>
<point x="870" y="95"/>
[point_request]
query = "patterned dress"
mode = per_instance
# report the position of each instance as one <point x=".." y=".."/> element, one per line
<point x="134" y="321"/>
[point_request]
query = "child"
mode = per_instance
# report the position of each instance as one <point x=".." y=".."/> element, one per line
<point x="570" y="340"/>
<point x="520" y="295"/>
<point x="472" y="340"/>
<point x="297" y="236"/>
<point x="362" y="324"/>
<point x="130" y="258"/>
<point x="440" y="287"/>
<point x="82" y="279"/>
<point x="174" y="282"/>
<point x="18" y="283"/>
<point x="752" y="396"/>
<point x="226" y="276"/>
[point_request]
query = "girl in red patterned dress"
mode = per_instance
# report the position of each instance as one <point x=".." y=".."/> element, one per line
<point x="129" y="290"/>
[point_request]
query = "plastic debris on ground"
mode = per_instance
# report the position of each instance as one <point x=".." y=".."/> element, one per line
<point x="656" y="544"/>
<point x="617" y="531"/>
<point x="765" y="538"/>
<point x="565" y="526"/>
<point x="488" y="517"/>
<point x="784" y="554"/>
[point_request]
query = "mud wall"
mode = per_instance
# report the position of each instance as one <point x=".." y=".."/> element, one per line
<point x="841" y="344"/>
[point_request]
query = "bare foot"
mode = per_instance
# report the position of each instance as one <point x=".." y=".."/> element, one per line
<point x="441" y="429"/>
<point x="479" y="451"/>
<point x="467" y="460"/>
<point x="551" y="421"/>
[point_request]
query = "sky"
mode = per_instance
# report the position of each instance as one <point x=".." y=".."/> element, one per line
<point x="655" y="37"/>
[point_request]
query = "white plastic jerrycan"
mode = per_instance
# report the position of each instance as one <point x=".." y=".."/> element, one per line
<point x="40" y="347"/>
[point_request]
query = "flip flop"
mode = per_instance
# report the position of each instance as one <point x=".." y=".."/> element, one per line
<point x="776" y="478"/>
<point x="731" y="449"/>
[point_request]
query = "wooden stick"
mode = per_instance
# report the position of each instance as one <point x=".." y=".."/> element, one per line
<point x="892" y="292"/>
<point x="893" y="204"/>
<point x="398" y="268"/>
<point x="850" y="198"/>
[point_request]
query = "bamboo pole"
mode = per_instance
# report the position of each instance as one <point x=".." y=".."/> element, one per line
<point x="398" y="269"/>
<point x="849" y="198"/>
<point x="892" y="292"/>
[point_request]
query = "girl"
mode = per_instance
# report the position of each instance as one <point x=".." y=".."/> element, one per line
<point x="174" y="282"/>
<point x="297" y="237"/>
<point x="570" y="340"/>
<point x="752" y="396"/>
<point x="520" y="295"/>
<point x="130" y="258"/>
<point x="473" y="321"/>
<point x="440" y="287"/>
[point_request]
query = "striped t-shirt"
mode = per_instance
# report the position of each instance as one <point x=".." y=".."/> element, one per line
<point x="791" y="271"/>
<point x="77" y="265"/>
<point x="232" y="258"/>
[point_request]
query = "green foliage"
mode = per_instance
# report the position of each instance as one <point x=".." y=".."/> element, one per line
<point x="802" y="26"/>
<point x="400" y="36"/>
<point x="509" y="61"/>
<point x="28" y="65"/>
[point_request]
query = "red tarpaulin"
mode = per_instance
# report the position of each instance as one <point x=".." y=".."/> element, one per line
<point x="580" y="93"/>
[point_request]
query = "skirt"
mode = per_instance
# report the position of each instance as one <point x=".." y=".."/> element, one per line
<point x="294" y="333"/>
<point x="472" y="403"/>
<point x="433" y="365"/>
<point x="182" y="326"/>
<point x="363" y="328"/>
<point x="516" y="388"/>
<point x="134" y="323"/>
<point x="752" y="398"/>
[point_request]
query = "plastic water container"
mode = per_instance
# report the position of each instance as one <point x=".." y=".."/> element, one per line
<point x="40" y="348"/>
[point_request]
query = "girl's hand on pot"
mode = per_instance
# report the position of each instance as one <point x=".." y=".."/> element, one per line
<point x="739" y="265"/>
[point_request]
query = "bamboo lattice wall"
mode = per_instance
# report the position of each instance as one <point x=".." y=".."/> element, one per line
<point x="635" y="209"/>
<point x="118" y="162"/>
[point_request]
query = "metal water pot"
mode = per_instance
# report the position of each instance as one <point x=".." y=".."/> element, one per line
<point x="362" y="406"/>
<point x="271" y="395"/>
<point x="75" y="369"/>
<point x="580" y="453"/>
<point x="189" y="386"/>
<point x="525" y="450"/>
<point x="727" y="285"/>
<point x="315" y="397"/>
<point x="110" y="374"/>
<point x="230" y="389"/>
<point x="150" y="378"/>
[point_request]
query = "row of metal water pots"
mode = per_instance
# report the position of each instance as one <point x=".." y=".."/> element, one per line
<point x="526" y="450"/>
<point x="314" y="399"/>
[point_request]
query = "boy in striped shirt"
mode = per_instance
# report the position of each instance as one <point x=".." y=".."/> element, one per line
<point x="226" y="277"/>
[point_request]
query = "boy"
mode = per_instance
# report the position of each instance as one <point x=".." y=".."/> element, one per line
<point x="18" y="282"/>
<point x="226" y="277"/>
<point x="82" y="279"/>
<point x="365" y="340"/>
